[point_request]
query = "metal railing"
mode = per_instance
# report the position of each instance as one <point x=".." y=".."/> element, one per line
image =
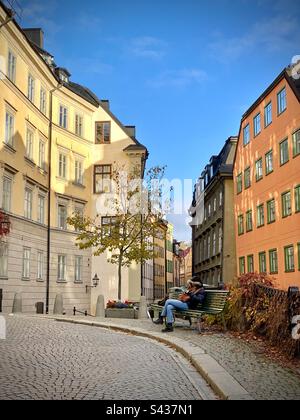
<point x="85" y="313"/>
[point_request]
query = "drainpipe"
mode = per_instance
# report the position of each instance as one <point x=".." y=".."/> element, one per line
<point x="49" y="195"/>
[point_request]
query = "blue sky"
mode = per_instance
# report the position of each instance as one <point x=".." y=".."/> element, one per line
<point x="182" y="71"/>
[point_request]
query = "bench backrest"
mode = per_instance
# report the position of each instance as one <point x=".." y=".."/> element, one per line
<point x="214" y="299"/>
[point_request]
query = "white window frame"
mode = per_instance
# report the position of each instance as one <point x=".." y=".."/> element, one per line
<point x="26" y="263"/>
<point x="40" y="266"/>
<point x="63" y="116"/>
<point x="31" y="88"/>
<point x="61" y="268"/>
<point x="79" y="125"/>
<point x="78" y="171"/>
<point x="28" y="203"/>
<point x="43" y="100"/>
<point x="9" y="127"/>
<point x="62" y="165"/>
<point x="42" y="154"/>
<point x="11" y="66"/>
<point x="6" y="195"/>
<point x="41" y="199"/>
<point x="61" y="205"/>
<point x="3" y="259"/>
<point x="29" y="143"/>
<point x="78" y="268"/>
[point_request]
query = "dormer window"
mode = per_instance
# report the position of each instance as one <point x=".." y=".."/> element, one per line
<point x="63" y="74"/>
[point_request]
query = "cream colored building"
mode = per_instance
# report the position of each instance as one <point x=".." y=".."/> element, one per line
<point x="59" y="146"/>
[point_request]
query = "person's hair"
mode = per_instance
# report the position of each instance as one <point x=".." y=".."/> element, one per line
<point x="196" y="279"/>
<point x="198" y="284"/>
<point x="189" y="283"/>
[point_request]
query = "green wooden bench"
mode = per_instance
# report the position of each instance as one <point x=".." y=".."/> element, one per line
<point x="213" y="304"/>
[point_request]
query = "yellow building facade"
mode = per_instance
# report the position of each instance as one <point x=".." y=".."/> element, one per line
<point x="59" y="146"/>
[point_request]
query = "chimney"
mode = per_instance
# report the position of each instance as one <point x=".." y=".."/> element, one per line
<point x="105" y="104"/>
<point x="35" y="35"/>
<point x="130" y="130"/>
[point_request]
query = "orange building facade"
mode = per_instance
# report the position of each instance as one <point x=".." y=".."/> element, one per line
<point x="267" y="184"/>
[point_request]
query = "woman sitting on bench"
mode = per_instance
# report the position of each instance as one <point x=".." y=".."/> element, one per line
<point x="188" y="300"/>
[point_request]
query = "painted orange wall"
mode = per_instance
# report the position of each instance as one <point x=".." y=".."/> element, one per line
<point x="285" y="231"/>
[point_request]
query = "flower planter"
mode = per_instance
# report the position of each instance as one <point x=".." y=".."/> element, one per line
<point x="125" y="313"/>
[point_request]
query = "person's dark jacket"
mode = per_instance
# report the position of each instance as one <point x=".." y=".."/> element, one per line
<point x="196" y="298"/>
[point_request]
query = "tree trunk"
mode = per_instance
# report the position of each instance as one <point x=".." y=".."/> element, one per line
<point x="120" y="277"/>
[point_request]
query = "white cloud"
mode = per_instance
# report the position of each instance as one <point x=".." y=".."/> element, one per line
<point x="147" y="47"/>
<point x="272" y="35"/>
<point x="179" y="78"/>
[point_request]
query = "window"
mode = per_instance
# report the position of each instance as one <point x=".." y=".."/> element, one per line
<point x="43" y="101"/>
<point x="40" y="265"/>
<point x="79" y="125"/>
<point x="249" y="222"/>
<point x="62" y="216"/>
<point x="247" y="178"/>
<point x="250" y="264"/>
<point x="260" y="216"/>
<point x="102" y="132"/>
<point x="26" y="263"/>
<point x="269" y="162"/>
<point x="257" y="125"/>
<point x="209" y="210"/>
<point x="41" y="209"/>
<point x="220" y="238"/>
<point x="62" y="166"/>
<point x="262" y="262"/>
<point x="273" y="257"/>
<point x="246" y="134"/>
<point x="208" y="246"/>
<point x="169" y="266"/>
<point x="281" y="101"/>
<point x="297" y="199"/>
<point x="289" y="258"/>
<point x="242" y="265"/>
<point x="102" y="178"/>
<point x="296" y="143"/>
<point x="9" y="128"/>
<point x="284" y="152"/>
<point x="11" y="67"/>
<point x="31" y="86"/>
<point x="78" y="268"/>
<point x="259" y="169"/>
<point x="239" y="183"/>
<point x="241" y="225"/>
<point x="62" y="267"/>
<point x="298" y="246"/>
<point x="29" y="144"/>
<point x="63" y="116"/>
<point x="271" y="210"/>
<point x="6" y="193"/>
<point x="221" y="199"/>
<point x="268" y="114"/>
<point x="286" y="200"/>
<point x="78" y="172"/>
<point x="42" y="160"/>
<point x="28" y="203"/>
<point x="3" y="259"/>
<point x="215" y="204"/>
<point x="204" y="250"/>
<point x="214" y="244"/>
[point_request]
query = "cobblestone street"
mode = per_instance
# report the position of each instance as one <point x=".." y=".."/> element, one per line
<point x="44" y="359"/>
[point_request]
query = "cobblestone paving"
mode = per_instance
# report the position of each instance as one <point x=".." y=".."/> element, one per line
<point x="261" y="377"/>
<point x="45" y="359"/>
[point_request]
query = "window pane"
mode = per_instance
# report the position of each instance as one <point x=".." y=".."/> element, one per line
<point x="269" y="162"/>
<point x="9" y="128"/>
<point x="3" y="259"/>
<point x="268" y="114"/>
<point x="284" y="152"/>
<point x="257" y="125"/>
<point x="296" y="143"/>
<point x="6" y="198"/>
<point x="246" y="135"/>
<point x="281" y="99"/>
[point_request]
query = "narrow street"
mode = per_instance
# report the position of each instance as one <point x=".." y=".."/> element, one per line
<point x="43" y="359"/>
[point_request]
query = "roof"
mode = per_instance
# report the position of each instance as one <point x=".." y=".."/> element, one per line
<point x="79" y="90"/>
